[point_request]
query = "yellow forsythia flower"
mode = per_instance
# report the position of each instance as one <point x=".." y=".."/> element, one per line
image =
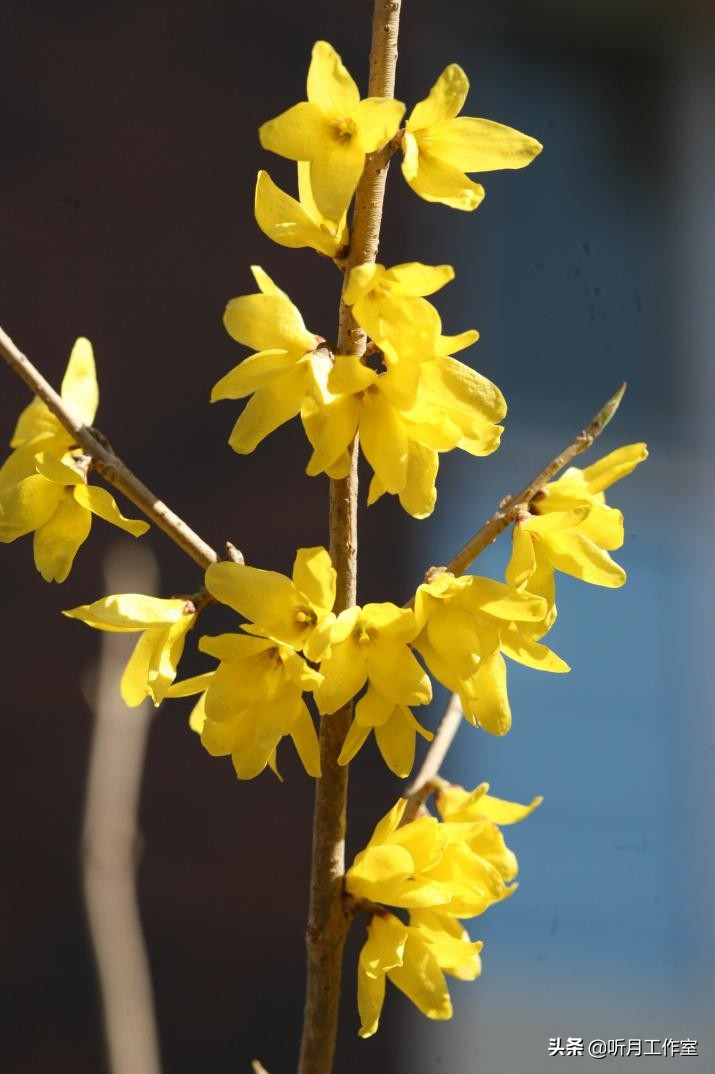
<point x="439" y="146"/>
<point x="572" y="529"/>
<point x="466" y="624"/>
<point x="58" y="505"/>
<point x="371" y="644"/>
<point x="297" y="223"/>
<point x="414" y="958"/>
<point x="424" y="864"/>
<point x="297" y="613"/>
<point x="40" y="488"/>
<point x="281" y="375"/>
<point x="391" y="306"/>
<point x="333" y="129"/>
<point x="164" y="624"/>
<point x="255" y="696"/>
<point x="37" y="427"/>
<point x="405" y="416"/>
<point x="484" y="813"/>
<point x="253" y="700"/>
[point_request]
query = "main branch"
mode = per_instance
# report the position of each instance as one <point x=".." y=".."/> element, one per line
<point x="109" y="465"/>
<point x="328" y="920"/>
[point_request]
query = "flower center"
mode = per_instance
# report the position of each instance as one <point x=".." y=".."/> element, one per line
<point x="344" y="129"/>
<point x="306" y="616"/>
<point x="362" y="633"/>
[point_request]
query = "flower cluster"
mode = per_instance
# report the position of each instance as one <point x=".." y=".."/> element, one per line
<point x="439" y="871"/>
<point x="43" y="484"/>
<point x="418" y="401"/>
<point x="292" y="643"/>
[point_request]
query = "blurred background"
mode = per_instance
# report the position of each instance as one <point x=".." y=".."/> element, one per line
<point x="129" y="155"/>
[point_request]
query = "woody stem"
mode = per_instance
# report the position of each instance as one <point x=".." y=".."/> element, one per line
<point x="328" y="919"/>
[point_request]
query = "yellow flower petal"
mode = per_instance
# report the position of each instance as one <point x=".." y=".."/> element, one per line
<point x="286" y="221"/>
<point x="354" y="741"/>
<point x="260" y="596"/>
<point x="396" y="742"/>
<point x="125" y="612"/>
<point x="331" y="431"/>
<point x="621" y="462"/>
<point x="397" y="622"/>
<point x="315" y="576"/>
<point x="417" y="280"/>
<point x="330" y="85"/>
<point x="101" y="503"/>
<point x="378" y="869"/>
<point x="522" y="562"/>
<point x="444" y="101"/>
<point x="555" y="520"/>
<point x="168" y="648"/>
<point x="502" y="601"/>
<point x="250" y="760"/>
<point x="530" y="653"/>
<point x="377" y="119"/>
<point x="268" y="322"/>
<point x="436" y="181"/>
<point x="419" y="495"/>
<point x="384" y="442"/>
<point x="299" y="133"/>
<point x="571" y="552"/>
<point x="422" y="981"/>
<point x="396" y="674"/>
<point x="451" y="344"/>
<point x="37" y="420"/>
<point x="228" y="647"/>
<point x="362" y="279"/>
<point x="383" y="950"/>
<point x="134" y="682"/>
<point x="335" y="174"/>
<point x="488" y="692"/>
<point x="349" y="375"/>
<point x="458" y="385"/>
<point x="27" y="506"/>
<point x="345" y="672"/>
<point x="306" y="741"/>
<point x="252" y="373"/>
<point x="270" y="407"/>
<point x="187" y="687"/>
<point x="79" y="385"/>
<point x="57" y="542"/>
<point x="197" y="716"/>
<point x="480" y="145"/>
<point x="500" y="811"/>
<point x="55" y="470"/>
<point x="373" y="709"/>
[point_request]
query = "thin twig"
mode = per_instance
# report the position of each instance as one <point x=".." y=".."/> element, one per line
<point x="423" y="784"/>
<point x="109" y="465"/>
<point x="111" y="838"/>
<point x="509" y="508"/>
<point x="328" y="919"/>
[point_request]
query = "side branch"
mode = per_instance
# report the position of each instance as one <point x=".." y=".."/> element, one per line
<point x="109" y="465"/>
<point x="423" y="783"/>
<point x="509" y="508"/>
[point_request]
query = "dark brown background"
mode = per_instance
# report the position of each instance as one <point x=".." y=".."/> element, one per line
<point x="128" y="155"/>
